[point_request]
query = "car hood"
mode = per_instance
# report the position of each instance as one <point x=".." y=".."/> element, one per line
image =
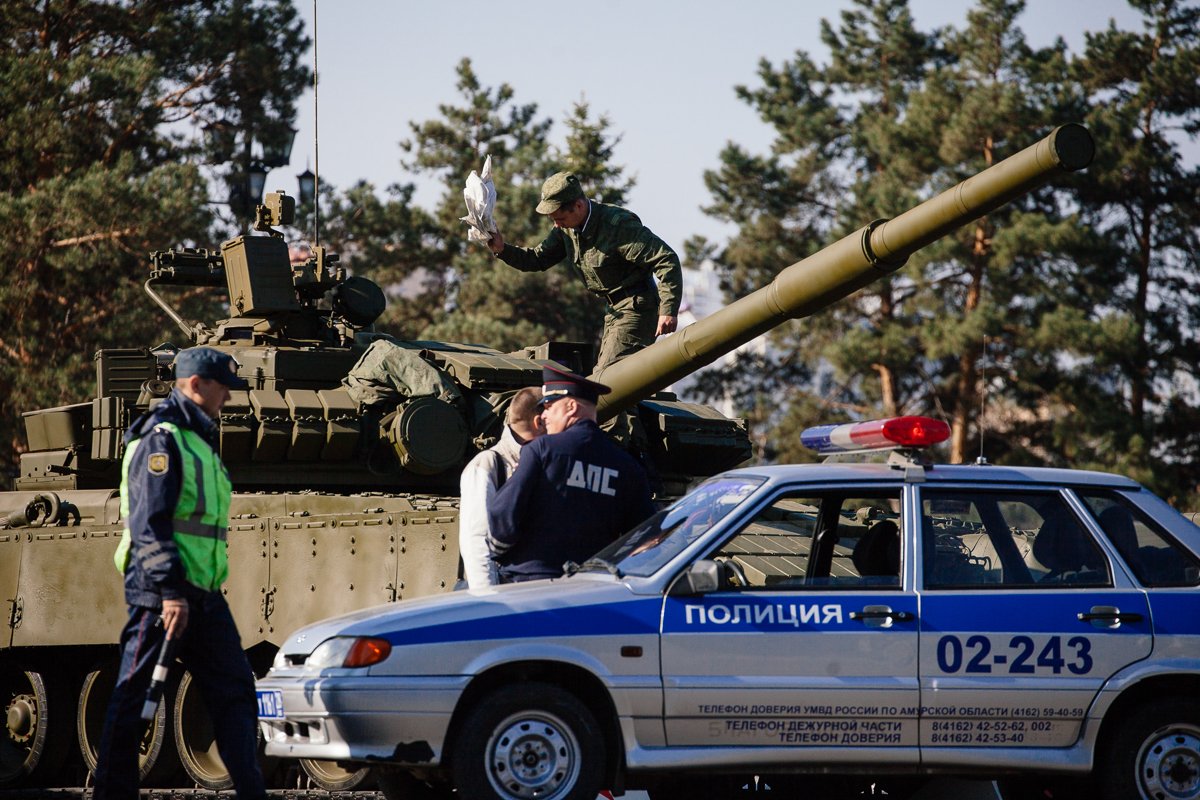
<point x="487" y="613"/>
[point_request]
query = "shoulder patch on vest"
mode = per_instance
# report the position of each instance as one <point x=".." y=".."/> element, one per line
<point x="157" y="463"/>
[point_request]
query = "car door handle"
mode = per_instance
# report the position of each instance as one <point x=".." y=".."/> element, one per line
<point x="1108" y="614"/>
<point x="881" y="612"/>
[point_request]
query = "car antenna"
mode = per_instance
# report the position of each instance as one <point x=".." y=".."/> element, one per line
<point x="981" y="460"/>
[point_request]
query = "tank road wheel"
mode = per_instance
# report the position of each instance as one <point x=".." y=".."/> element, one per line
<point x="530" y="740"/>
<point x="194" y="738"/>
<point x="36" y="737"/>
<point x="158" y="762"/>
<point x="1154" y="752"/>
<point x="329" y="776"/>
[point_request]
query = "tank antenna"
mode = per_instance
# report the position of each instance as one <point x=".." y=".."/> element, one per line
<point x="983" y="404"/>
<point x="316" y="143"/>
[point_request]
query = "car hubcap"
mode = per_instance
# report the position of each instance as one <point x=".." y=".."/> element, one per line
<point x="1169" y="764"/>
<point x="533" y="756"/>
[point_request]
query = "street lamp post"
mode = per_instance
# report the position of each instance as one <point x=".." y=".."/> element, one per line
<point x="308" y="186"/>
<point x="256" y="181"/>
<point x="250" y="177"/>
<point x="279" y="154"/>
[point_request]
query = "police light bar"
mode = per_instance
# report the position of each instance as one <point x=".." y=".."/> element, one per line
<point x="878" y="434"/>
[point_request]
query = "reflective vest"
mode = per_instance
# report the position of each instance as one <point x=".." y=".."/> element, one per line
<point x="201" y="513"/>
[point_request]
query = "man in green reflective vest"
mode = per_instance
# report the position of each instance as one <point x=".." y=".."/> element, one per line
<point x="175" y="496"/>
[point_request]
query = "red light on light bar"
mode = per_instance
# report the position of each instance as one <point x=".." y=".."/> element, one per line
<point x="877" y="434"/>
<point x="915" y="431"/>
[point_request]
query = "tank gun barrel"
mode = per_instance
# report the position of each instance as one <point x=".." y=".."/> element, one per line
<point x="841" y="268"/>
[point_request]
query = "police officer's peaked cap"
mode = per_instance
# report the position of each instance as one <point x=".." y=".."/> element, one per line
<point x="560" y="189"/>
<point x="558" y="383"/>
<point x="205" y="362"/>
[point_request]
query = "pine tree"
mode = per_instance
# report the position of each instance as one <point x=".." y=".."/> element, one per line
<point x="475" y="300"/>
<point x="1137" y="354"/>
<point x="878" y="57"/>
<point x="989" y="280"/>
<point x="483" y="300"/>
<point x="781" y="204"/>
<point x="589" y="153"/>
<point x="100" y="160"/>
<point x="834" y="166"/>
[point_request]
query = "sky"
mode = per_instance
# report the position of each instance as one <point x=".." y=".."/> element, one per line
<point x="662" y="72"/>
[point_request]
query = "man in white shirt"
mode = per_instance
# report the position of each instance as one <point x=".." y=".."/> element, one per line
<point x="486" y="473"/>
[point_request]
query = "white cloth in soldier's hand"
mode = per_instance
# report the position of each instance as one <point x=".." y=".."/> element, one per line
<point x="480" y="196"/>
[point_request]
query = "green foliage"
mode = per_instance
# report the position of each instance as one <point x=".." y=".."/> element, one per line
<point x="833" y="166"/>
<point x="1140" y="199"/>
<point x="100" y="160"/>
<point x="1070" y="315"/>
<point x="589" y="153"/>
<point x="449" y="289"/>
<point x="1058" y="330"/>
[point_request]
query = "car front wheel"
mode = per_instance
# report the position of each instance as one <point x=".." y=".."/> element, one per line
<point x="1155" y="753"/>
<point x="531" y="740"/>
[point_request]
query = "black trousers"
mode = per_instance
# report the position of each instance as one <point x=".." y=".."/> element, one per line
<point x="211" y="651"/>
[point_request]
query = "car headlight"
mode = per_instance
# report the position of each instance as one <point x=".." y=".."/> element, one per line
<point x="348" y="651"/>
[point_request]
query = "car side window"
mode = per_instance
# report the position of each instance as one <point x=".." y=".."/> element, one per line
<point x="1006" y="539"/>
<point x="825" y="540"/>
<point x="1153" y="556"/>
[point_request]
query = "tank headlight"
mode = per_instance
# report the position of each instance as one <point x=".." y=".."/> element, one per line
<point x="348" y="651"/>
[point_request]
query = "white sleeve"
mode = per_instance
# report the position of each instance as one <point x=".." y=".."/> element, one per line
<point x="476" y="489"/>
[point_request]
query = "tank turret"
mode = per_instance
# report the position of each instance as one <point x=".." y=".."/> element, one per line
<point x="332" y="404"/>
<point x="345" y="454"/>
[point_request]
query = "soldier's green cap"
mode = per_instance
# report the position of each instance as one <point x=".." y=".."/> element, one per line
<point x="560" y="189"/>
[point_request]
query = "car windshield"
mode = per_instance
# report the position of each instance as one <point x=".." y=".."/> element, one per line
<point x="646" y="548"/>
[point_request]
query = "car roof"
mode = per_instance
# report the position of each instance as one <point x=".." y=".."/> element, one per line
<point x="938" y="473"/>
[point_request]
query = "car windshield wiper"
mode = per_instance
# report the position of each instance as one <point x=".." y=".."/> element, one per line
<point x="570" y="568"/>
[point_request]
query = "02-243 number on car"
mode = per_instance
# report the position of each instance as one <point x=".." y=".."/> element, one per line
<point x="1022" y="656"/>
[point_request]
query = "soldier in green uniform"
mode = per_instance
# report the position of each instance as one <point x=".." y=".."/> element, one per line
<point x="618" y="258"/>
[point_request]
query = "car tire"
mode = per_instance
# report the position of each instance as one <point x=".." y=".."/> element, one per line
<point x="529" y="740"/>
<point x="1154" y="752"/>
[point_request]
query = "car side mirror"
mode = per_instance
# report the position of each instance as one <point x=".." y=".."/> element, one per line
<point x="701" y="577"/>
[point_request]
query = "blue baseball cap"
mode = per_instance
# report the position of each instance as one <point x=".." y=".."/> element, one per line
<point x="205" y="362"/>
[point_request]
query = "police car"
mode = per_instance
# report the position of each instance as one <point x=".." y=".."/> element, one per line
<point x="781" y="625"/>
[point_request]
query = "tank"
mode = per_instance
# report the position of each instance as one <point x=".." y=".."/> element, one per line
<point x="345" y="454"/>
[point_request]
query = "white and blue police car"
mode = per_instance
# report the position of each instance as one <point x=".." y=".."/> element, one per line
<point x="890" y="620"/>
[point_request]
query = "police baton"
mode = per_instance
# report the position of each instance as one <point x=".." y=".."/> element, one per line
<point x="158" y="681"/>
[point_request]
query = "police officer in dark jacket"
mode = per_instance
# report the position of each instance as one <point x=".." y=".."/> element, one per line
<point x="175" y="496"/>
<point x="573" y="492"/>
